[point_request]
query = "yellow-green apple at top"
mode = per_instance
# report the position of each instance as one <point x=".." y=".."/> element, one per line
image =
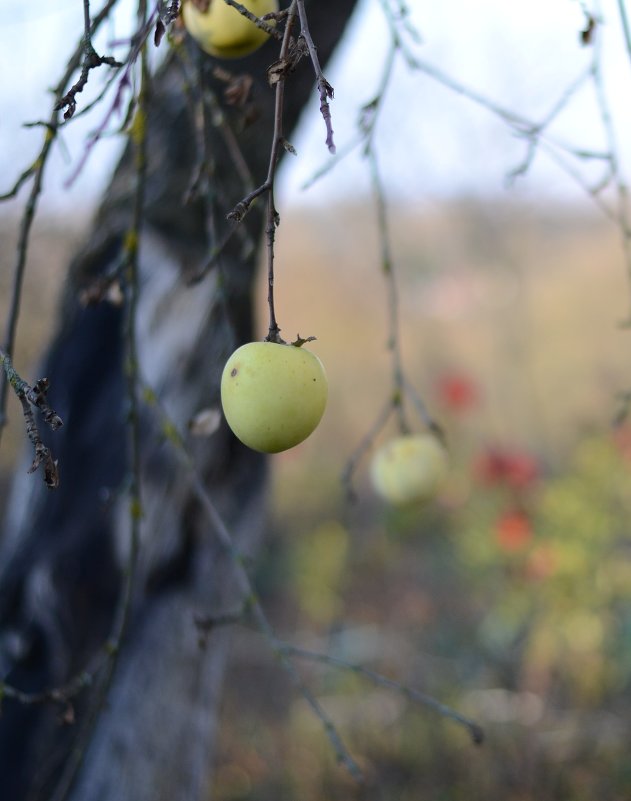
<point x="223" y="31"/>
<point x="409" y="468"/>
<point x="273" y="395"/>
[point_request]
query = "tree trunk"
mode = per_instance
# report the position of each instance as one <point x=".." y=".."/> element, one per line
<point x="65" y="552"/>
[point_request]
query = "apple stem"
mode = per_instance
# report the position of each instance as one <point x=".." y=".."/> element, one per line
<point x="273" y="333"/>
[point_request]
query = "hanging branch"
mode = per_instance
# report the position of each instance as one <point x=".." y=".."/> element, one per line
<point x="35" y="171"/>
<point x="277" y="74"/>
<point x="286" y="62"/>
<point x="401" y="387"/>
<point x="388" y="270"/>
<point x="290" y="54"/>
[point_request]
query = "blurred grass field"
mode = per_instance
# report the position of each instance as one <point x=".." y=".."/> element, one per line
<point x="509" y="596"/>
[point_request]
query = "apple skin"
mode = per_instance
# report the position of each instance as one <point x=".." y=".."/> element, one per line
<point x="273" y="395"/>
<point x="224" y="32"/>
<point x="409" y="468"/>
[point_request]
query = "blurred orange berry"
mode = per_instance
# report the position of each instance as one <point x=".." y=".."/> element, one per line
<point x="513" y="531"/>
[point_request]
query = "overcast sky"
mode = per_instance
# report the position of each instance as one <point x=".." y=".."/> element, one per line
<point x="432" y="142"/>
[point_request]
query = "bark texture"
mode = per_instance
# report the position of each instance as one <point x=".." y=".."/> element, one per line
<point x="63" y="553"/>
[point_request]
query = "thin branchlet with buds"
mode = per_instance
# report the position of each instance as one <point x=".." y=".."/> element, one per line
<point x="264" y="22"/>
<point x="91" y="60"/>
<point x="324" y="87"/>
<point x="30" y="398"/>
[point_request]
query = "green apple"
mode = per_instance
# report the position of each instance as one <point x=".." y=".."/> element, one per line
<point x="273" y="395"/>
<point x="409" y="468"/>
<point x="221" y="30"/>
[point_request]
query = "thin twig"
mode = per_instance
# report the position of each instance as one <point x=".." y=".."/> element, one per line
<point x="388" y="270"/>
<point x="59" y="695"/>
<point x="260" y="22"/>
<point x="91" y="60"/>
<point x="324" y="87"/>
<point x="418" y="697"/>
<point x="364" y="446"/>
<point x="138" y="42"/>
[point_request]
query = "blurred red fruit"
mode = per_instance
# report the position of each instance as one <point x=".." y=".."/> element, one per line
<point x="490" y="467"/>
<point x="515" y="469"/>
<point x="513" y="531"/>
<point x="521" y="470"/>
<point x="457" y="392"/>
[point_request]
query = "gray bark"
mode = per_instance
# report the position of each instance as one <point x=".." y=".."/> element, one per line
<point x="63" y="554"/>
